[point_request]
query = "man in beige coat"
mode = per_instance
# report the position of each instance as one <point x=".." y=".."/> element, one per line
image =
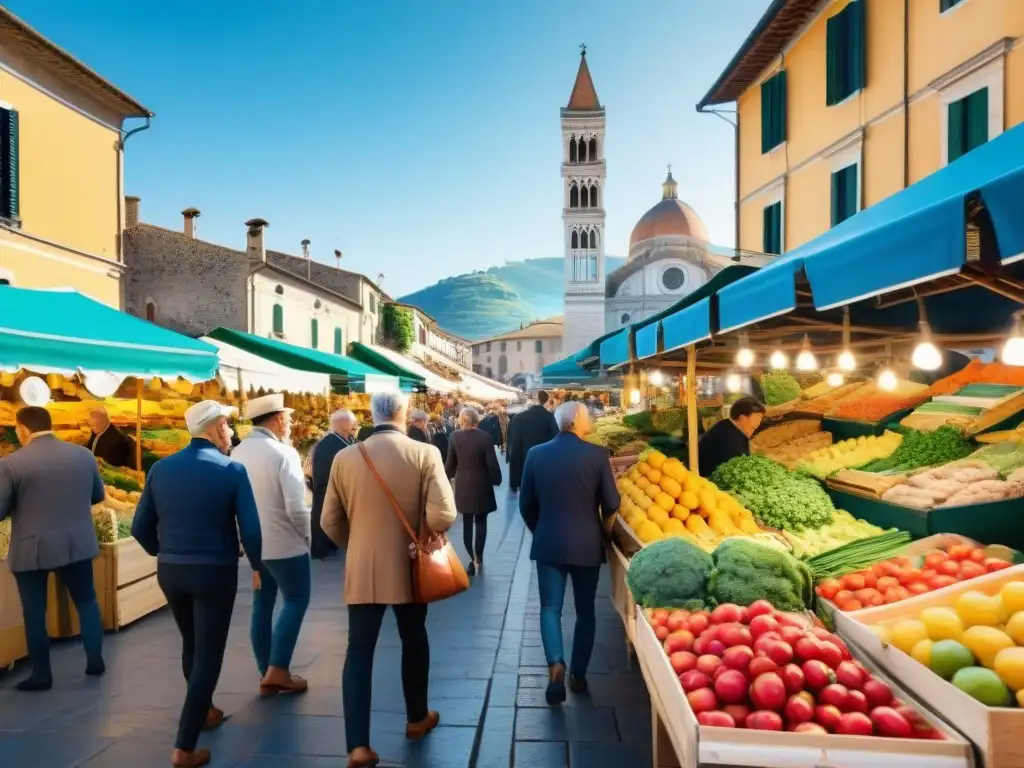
<point x="358" y="517"/>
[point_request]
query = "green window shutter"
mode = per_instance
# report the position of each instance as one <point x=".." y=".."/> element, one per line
<point x="945" y="5"/>
<point x="314" y="333"/>
<point x="10" y="189"/>
<point x="766" y="116"/>
<point x="773" y="112"/>
<point x="833" y="43"/>
<point x="836" y="195"/>
<point x="772" y="239"/>
<point x="976" y="110"/>
<point x="278" y="320"/>
<point x="857" y="41"/>
<point x="338" y="345"/>
<point x="781" y="96"/>
<point x="850" y="192"/>
<point x="956" y="121"/>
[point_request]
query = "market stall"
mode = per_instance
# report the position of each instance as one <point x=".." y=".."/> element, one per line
<point x="71" y="354"/>
<point x="241" y="370"/>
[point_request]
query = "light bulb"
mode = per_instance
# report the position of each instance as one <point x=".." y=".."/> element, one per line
<point x="926" y="357"/>
<point x="1013" y="351"/>
<point x="634" y="396"/>
<point x="834" y="379"/>
<point x="733" y="383"/>
<point x="778" y="360"/>
<point x="847" y="362"/>
<point x="745" y="357"/>
<point x="887" y="380"/>
<point x="34" y="391"/>
<point x="806" y="361"/>
<point x="655" y="378"/>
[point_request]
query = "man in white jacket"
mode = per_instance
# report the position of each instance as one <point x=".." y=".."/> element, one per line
<point x="275" y="471"/>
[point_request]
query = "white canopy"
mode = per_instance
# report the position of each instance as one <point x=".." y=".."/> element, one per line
<point x="256" y="372"/>
<point x="430" y="379"/>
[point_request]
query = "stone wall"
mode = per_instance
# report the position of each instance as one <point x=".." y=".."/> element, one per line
<point x="331" y="278"/>
<point x="196" y="286"/>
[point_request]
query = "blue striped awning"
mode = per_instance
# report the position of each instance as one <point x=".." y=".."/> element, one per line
<point x="688" y="325"/>
<point x="615" y="348"/>
<point x="646" y="340"/>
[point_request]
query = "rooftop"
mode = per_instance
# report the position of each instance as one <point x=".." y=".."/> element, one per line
<point x="550" y="328"/>
<point x="584" y="95"/>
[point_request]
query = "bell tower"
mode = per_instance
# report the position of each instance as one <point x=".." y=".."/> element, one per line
<point x="583" y="177"/>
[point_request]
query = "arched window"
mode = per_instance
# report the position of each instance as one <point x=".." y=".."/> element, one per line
<point x="584" y="196"/>
<point x="625" y="318"/>
<point x="593" y="238"/>
<point x="151" y="310"/>
<point x="278" y="326"/>
<point x="314" y="333"/>
<point x="572" y="150"/>
<point x="583" y="150"/>
<point x="574" y="196"/>
<point x="279" y="290"/>
<point x="338" y="344"/>
<point x="593" y="148"/>
<point x="574" y="240"/>
<point x="593" y="196"/>
<point x="317" y="304"/>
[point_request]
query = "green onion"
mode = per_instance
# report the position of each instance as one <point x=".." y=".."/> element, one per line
<point x="857" y="555"/>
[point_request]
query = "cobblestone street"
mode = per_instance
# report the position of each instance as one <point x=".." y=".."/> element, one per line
<point x="487" y="677"/>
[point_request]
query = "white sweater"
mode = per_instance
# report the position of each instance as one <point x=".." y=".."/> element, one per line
<point x="275" y="472"/>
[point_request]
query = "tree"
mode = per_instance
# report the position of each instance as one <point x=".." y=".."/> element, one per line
<point x="399" y="327"/>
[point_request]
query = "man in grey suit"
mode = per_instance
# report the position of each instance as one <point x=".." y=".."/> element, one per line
<point x="48" y="488"/>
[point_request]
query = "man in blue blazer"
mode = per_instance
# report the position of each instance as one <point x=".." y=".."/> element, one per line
<point x="568" y="499"/>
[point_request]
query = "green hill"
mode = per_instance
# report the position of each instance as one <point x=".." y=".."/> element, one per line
<point x="485" y="303"/>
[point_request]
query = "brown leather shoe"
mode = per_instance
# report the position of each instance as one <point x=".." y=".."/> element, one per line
<point x="214" y="719"/>
<point x="182" y="759"/>
<point x="417" y="731"/>
<point x="555" y="693"/>
<point x="363" y="757"/>
<point x="294" y="684"/>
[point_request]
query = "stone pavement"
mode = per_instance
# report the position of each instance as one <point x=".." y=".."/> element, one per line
<point x="487" y="677"/>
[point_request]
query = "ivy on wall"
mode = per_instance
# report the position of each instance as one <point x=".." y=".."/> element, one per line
<point x="399" y="327"/>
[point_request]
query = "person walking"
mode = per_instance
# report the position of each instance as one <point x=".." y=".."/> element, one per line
<point x="418" y="426"/>
<point x="275" y="471"/>
<point x="440" y="438"/>
<point x="492" y="427"/>
<point x="359" y="517"/>
<point x="195" y="506"/>
<point x="343" y="432"/>
<point x="473" y="464"/>
<point x="568" y="489"/>
<point x="533" y="426"/>
<point x="48" y="488"/>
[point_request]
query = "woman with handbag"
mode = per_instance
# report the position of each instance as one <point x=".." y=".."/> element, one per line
<point x="387" y="503"/>
<point x="473" y="463"/>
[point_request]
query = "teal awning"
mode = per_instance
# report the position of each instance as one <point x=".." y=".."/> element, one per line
<point x="614" y="350"/>
<point x="297" y="358"/>
<point x="370" y="356"/>
<point x="566" y="369"/>
<point x="64" y="331"/>
<point x="646" y="341"/>
<point x="687" y="326"/>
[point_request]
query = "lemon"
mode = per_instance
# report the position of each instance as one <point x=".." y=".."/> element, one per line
<point x="882" y="632"/>
<point x="1015" y="627"/>
<point x="908" y="633"/>
<point x="649" y="531"/>
<point x="922" y="652"/>
<point x="1012" y="596"/>
<point x="1020" y="698"/>
<point x="672" y="527"/>
<point x="657" y="515"/>
<point x="942" y="623"/>
<point x="985" y="643"/>
<point x="1009" y="665"/>
<point x="976" y="608"/>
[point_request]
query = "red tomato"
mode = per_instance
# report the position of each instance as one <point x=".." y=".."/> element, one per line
<point x="870" y="580"/>
<point x="853" y="581"/>
<point x="865" y="595"/>
<point x="927" y="573"/>
<point x="829" y="588"/>
<point x="959" y="551"/>
<point x="932" y="559"/>
<point x="853" y="605"/>
<point x="891" y="568"/>
<point x="892" y="595"/>
<point x="995" y="564"/>
<point x="878" y="570"/>
<point x="903" y="592"/>
<point x="918" y="588"/>
<point x="940" y="581"/>
<point x="949" y="567"/>
<point x="909" y="575"/>
<point x="842" y="597"/>
<point x="887" y="582"/>
<point x="978" y="555"/>
<point x="969" y="569"/>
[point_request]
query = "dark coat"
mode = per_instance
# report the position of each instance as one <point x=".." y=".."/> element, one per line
<point x="492" y="426"/>
<point x="568" y="488"/>
<point x="417" y="434"/>
<point x="114" y="447"/>
<point x="532" y="427"/>
<point x="323" y="457"/>
<point x="474" y="465"/>
<point x="440" y="441"/>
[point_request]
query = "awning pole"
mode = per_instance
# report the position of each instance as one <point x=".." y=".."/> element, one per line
<point x="691" y="406"/>
<point x="138" y="424"/>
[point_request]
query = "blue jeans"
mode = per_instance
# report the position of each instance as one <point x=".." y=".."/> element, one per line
<point x="551" y="580"/>
<point x="274" y="644"/>
<point x="32" y="587"/>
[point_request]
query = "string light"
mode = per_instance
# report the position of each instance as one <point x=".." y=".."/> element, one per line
<point x="655" y="378"/>
<point x="834" y="379"/>
<point x="634" y="396"/>
<point x="779" y="361"/>
<point x="887" y="380"/>
<point x="926" y="356"/>
<point x="1013" y="349"/>
<point x="745" y="355"/>
<point x="733" y="383"/>
<point x="806" y="361"/>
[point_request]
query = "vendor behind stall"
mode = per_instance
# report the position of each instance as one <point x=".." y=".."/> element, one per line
<point x="107" y="442"/>
<point x="730" y="437"/>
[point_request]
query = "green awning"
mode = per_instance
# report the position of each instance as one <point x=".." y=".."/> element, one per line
<point x="370" y="356"/>
<point x="63" y="331"/>
<point x="297" y="358"/>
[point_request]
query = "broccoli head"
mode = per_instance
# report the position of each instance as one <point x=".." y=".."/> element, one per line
<point x="670" y="573"/>
<point x="745" y="571"/>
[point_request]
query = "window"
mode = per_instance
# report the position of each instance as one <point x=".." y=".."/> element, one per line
<point x="503" y="346"/>
<point x="572" y="150"/>
<point x="373" y="303"/>
<point x="584" y="268"/>
<point x="279" y="290"/>
<point x="845" y="198"/>
<point x="593" y="238"/>
<point x="773" y="112"/>
<point x="593" y="149"/>
<point x="968" y="123"/>
<point x="314" y="333"/>
<point x="488" y="346"/>
<point x="574" y="240"/>
<point x="538" y="346"/>
<point x="583" y="151"/>
<point x="945" y="5"/>
<point x="772" y="237"/>
<point x="624" y="319"/>
<point x="423" y="335"/>
<point x="673" y="278"/>
<point x="339" y="344"/>
<point x="151" y="310"/>
<point x="593" y="197"/>
<point x="584" y="197"/>
<point x="278" y="326"/>
<point x="10" y="188"/>
<point x="519" y="346"/>
<point x="845" y="60"/>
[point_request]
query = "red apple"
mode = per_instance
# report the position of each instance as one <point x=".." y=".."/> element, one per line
<point x="677" y="620"/>
<point x="731" y="687"/>
<point x="878" y="693"/>
<point x="808" y="728"/>
<point x="682" y="661"/>
<point x="761" y="664"/>
<point x="708" y="663"/>
<point x="659" y="616"/>
<point x="855" y="724"/>
<point x="738" y="712"/>
<point x="715" y="648"/>
<point x="856" y="701"/>
<point x="778" y="651"/>
<point x="680" y="640"/>
<point x="693" y="680"/>
<point x="798" y="709"/>
<point x="759" y="608"/>
<point x="698" y="622"/>
<point x="827" y="717"/>
<point x="790" y="634"/>
<point x="738" y="657"/>
<point x="817" y="675"/>
<point x="834" y="695"/>
<point x="849" y="675"/>
<point x="764" y="721"/>
<point x="735" y="635"/>
<point x="726" y="613"/>
<point x="888" y="722"/>
<point x="716" y="719"/>
<point x="764" y="623"/>
<point x="768" y="692"/>
<point x="702" y="700"/>
<point x="661" y="632"/>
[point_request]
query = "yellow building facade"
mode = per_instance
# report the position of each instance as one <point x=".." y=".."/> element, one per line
<point x="844" y="102"/>
<point x="61" y="168"/>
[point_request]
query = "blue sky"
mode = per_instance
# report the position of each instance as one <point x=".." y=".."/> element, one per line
<point x="419" y="137"/>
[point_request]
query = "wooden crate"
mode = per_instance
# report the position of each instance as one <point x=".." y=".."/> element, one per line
<point x="12" y="627"/>
<point x="621" y="597"/>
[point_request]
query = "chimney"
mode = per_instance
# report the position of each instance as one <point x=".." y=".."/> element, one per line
<point x="254" y="245"/>
<point x="337" y="258"/>
<point x="305" y="249"/>
<point x="131" y="212"/>
<point x="190" y="214"/>
<point x="309" y="263"/>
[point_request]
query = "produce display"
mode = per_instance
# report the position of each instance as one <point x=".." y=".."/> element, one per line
<point x="843" y="529"/>
<point x="976" y="643"/>
<point x="778" y="497"/>
<point x="957" y="484"/>
<point x="779" y="387"/>
<point x="822" y="404"/>
<point x="853" y="452"/>
<point x="790" y="441"/>
<point x="857" y="554"/>
<point x="976" y="372"/>
<point x="923" y="449"/>
<point x="1005" y="457"/>
<point x="899" y="578"/>
<point x="660" y="497"/>
<point x="760" y="668"/>
<point x="612" y="433"/>
<point x="875" y="407"/>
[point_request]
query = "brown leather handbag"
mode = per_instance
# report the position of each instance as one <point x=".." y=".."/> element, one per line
<point x="437" y="573"/>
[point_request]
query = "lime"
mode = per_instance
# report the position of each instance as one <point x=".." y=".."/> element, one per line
<point x="949" y="657"/>
<point x="983" y="685"/>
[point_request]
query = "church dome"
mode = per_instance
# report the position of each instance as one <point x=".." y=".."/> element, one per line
<point x="669" y="217"/>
